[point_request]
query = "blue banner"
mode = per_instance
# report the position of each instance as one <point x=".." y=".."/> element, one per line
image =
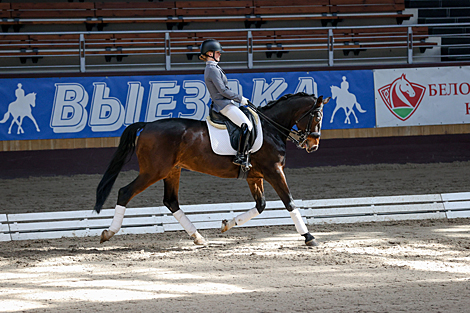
<point x="87" y="107"/>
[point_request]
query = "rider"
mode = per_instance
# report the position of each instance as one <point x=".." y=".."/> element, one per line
<point x="344" y="84"/>
<point x="224" y="100"/>
<point x="19" y="92"/>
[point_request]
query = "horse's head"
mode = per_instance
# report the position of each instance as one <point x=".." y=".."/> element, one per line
<point x="405" y="86"/>
<point x="333" y="91"/>
<point x="31" y="97"/>
<point x="309" y="125"/>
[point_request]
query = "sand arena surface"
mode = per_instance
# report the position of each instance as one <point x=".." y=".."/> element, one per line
<point x="415" y="266"/>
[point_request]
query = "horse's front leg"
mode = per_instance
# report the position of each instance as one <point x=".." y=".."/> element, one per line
<point x="347" y="120"/>
<point x="170" y="200"/>
<point x="257" y="190"/>
<point x="20" y="128"/>
<point x="334" y="112"/>
<point x="34" y="121"/>
<point x="277" y="179"/>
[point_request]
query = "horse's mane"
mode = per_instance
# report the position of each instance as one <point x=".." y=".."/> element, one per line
<point x="285" y="97"/>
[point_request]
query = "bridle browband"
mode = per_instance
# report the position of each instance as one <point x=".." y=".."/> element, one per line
<point x="301" y="134"/>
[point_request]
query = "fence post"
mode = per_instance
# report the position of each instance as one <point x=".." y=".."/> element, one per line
<point x="250" y="49"/>
<point x="167" y="52"/>
<point x="82" y="54"/>
<point x="410" y="45"/>
<point x="330" y="47"/>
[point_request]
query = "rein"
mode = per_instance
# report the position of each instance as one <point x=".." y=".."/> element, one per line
<point x="302" y="135"/>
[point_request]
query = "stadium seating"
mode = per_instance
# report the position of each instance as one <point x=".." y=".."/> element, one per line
<point x="255" y="16"/>
<point x="181" y="13"/>
<point x="271" y="42"/>
<point x="455" y="41"/>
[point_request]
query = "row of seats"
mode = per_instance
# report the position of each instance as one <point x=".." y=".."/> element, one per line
<point x="270" y="42"/>
<point x="180" y="13"/>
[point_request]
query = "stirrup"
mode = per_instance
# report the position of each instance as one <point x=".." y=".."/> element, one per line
<point x="242" y="161"/>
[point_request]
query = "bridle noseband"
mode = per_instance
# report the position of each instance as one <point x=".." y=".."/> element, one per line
<point x="315" y="113"/>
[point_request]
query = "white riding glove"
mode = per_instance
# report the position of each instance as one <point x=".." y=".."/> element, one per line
<point x="244" y="101"/>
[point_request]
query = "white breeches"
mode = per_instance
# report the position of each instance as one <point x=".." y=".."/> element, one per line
<point x="236" y="116"/>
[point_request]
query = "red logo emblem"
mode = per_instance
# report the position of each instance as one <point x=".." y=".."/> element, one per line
<point x="402" y="97"/>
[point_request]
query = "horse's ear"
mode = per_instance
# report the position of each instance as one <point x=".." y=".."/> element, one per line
<point x="326" y="100"/>
<point x="319" y="101"/>
<point x="403" y="76"/>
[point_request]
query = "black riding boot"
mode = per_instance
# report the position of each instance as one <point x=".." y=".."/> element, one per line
<point x="243" y="156"/>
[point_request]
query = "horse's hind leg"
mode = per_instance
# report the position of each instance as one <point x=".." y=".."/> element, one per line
<point x="257" y="190"/>
<point x="355" y="116"/>
<point x="170" y="200"/>
<point x="125" y="195"/>
<point x="12" y="122"/>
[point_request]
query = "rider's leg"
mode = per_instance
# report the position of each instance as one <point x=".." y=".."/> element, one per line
<point x="240" y="119"/>
<point x="236" y="116"/>
<point x="242" y="158"/>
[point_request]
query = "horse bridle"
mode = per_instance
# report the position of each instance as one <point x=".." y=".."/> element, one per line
<point x="315" y="113"/>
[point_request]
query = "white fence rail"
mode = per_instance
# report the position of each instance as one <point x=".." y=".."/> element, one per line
<point x="50" y="225"/>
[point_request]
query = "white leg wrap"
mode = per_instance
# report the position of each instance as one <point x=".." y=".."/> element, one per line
<point x="245" y="217"/>
<point x="185" y="222"/>
<point x="298" y="222"/>
<point x="118" y="217"/>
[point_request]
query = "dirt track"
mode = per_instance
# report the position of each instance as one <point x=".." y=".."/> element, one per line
<point x="420" y="266"/>
<point x="64" y="193"/>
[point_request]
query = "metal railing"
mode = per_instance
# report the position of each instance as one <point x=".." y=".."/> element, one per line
<point x="45" y="52"/>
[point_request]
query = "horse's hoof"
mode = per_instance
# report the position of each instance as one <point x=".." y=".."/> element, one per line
<point x="226" y="225"/>
<point x="310" y="240"/>
<point x="312" y="243"/>
<point x="198" y="239"/>
<point x="106" y="235"/>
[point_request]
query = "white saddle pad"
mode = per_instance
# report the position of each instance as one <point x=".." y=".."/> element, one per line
<point x="220" y="140"/>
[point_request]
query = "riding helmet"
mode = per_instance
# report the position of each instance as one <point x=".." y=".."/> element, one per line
<point x="210" y="45"/>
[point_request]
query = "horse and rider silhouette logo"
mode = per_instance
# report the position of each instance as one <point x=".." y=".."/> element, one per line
<point x="345" y="100"/>
<point x="402" y="97"/>
<point x="21" y="108"/>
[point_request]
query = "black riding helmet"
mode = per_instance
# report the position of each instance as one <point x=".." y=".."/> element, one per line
<point x="210" y="45"/>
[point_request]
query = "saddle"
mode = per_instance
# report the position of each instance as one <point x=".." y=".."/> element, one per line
<point x="220" y="121"/>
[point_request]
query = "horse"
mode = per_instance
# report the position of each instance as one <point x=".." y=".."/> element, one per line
<point x="166" y="146"/>
<point x="399" y="87"/>
<point x="20" y="109"/>
<point x="347" y="101"/>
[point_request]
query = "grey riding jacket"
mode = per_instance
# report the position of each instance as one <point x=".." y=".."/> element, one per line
<point x="217" y="84"/>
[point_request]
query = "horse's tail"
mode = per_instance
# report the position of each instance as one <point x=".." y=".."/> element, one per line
<point x="358" y="107"/>
<point x="5" y="117"/>
<point x="122" y="156"/>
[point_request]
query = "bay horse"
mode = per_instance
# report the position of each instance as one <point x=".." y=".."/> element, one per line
<point x="166" y="146"/>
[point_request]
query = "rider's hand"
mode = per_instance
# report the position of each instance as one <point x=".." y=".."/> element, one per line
<point x="244" y="101"/>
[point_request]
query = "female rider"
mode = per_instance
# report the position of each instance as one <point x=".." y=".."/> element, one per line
<point x="224" y="100"/>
